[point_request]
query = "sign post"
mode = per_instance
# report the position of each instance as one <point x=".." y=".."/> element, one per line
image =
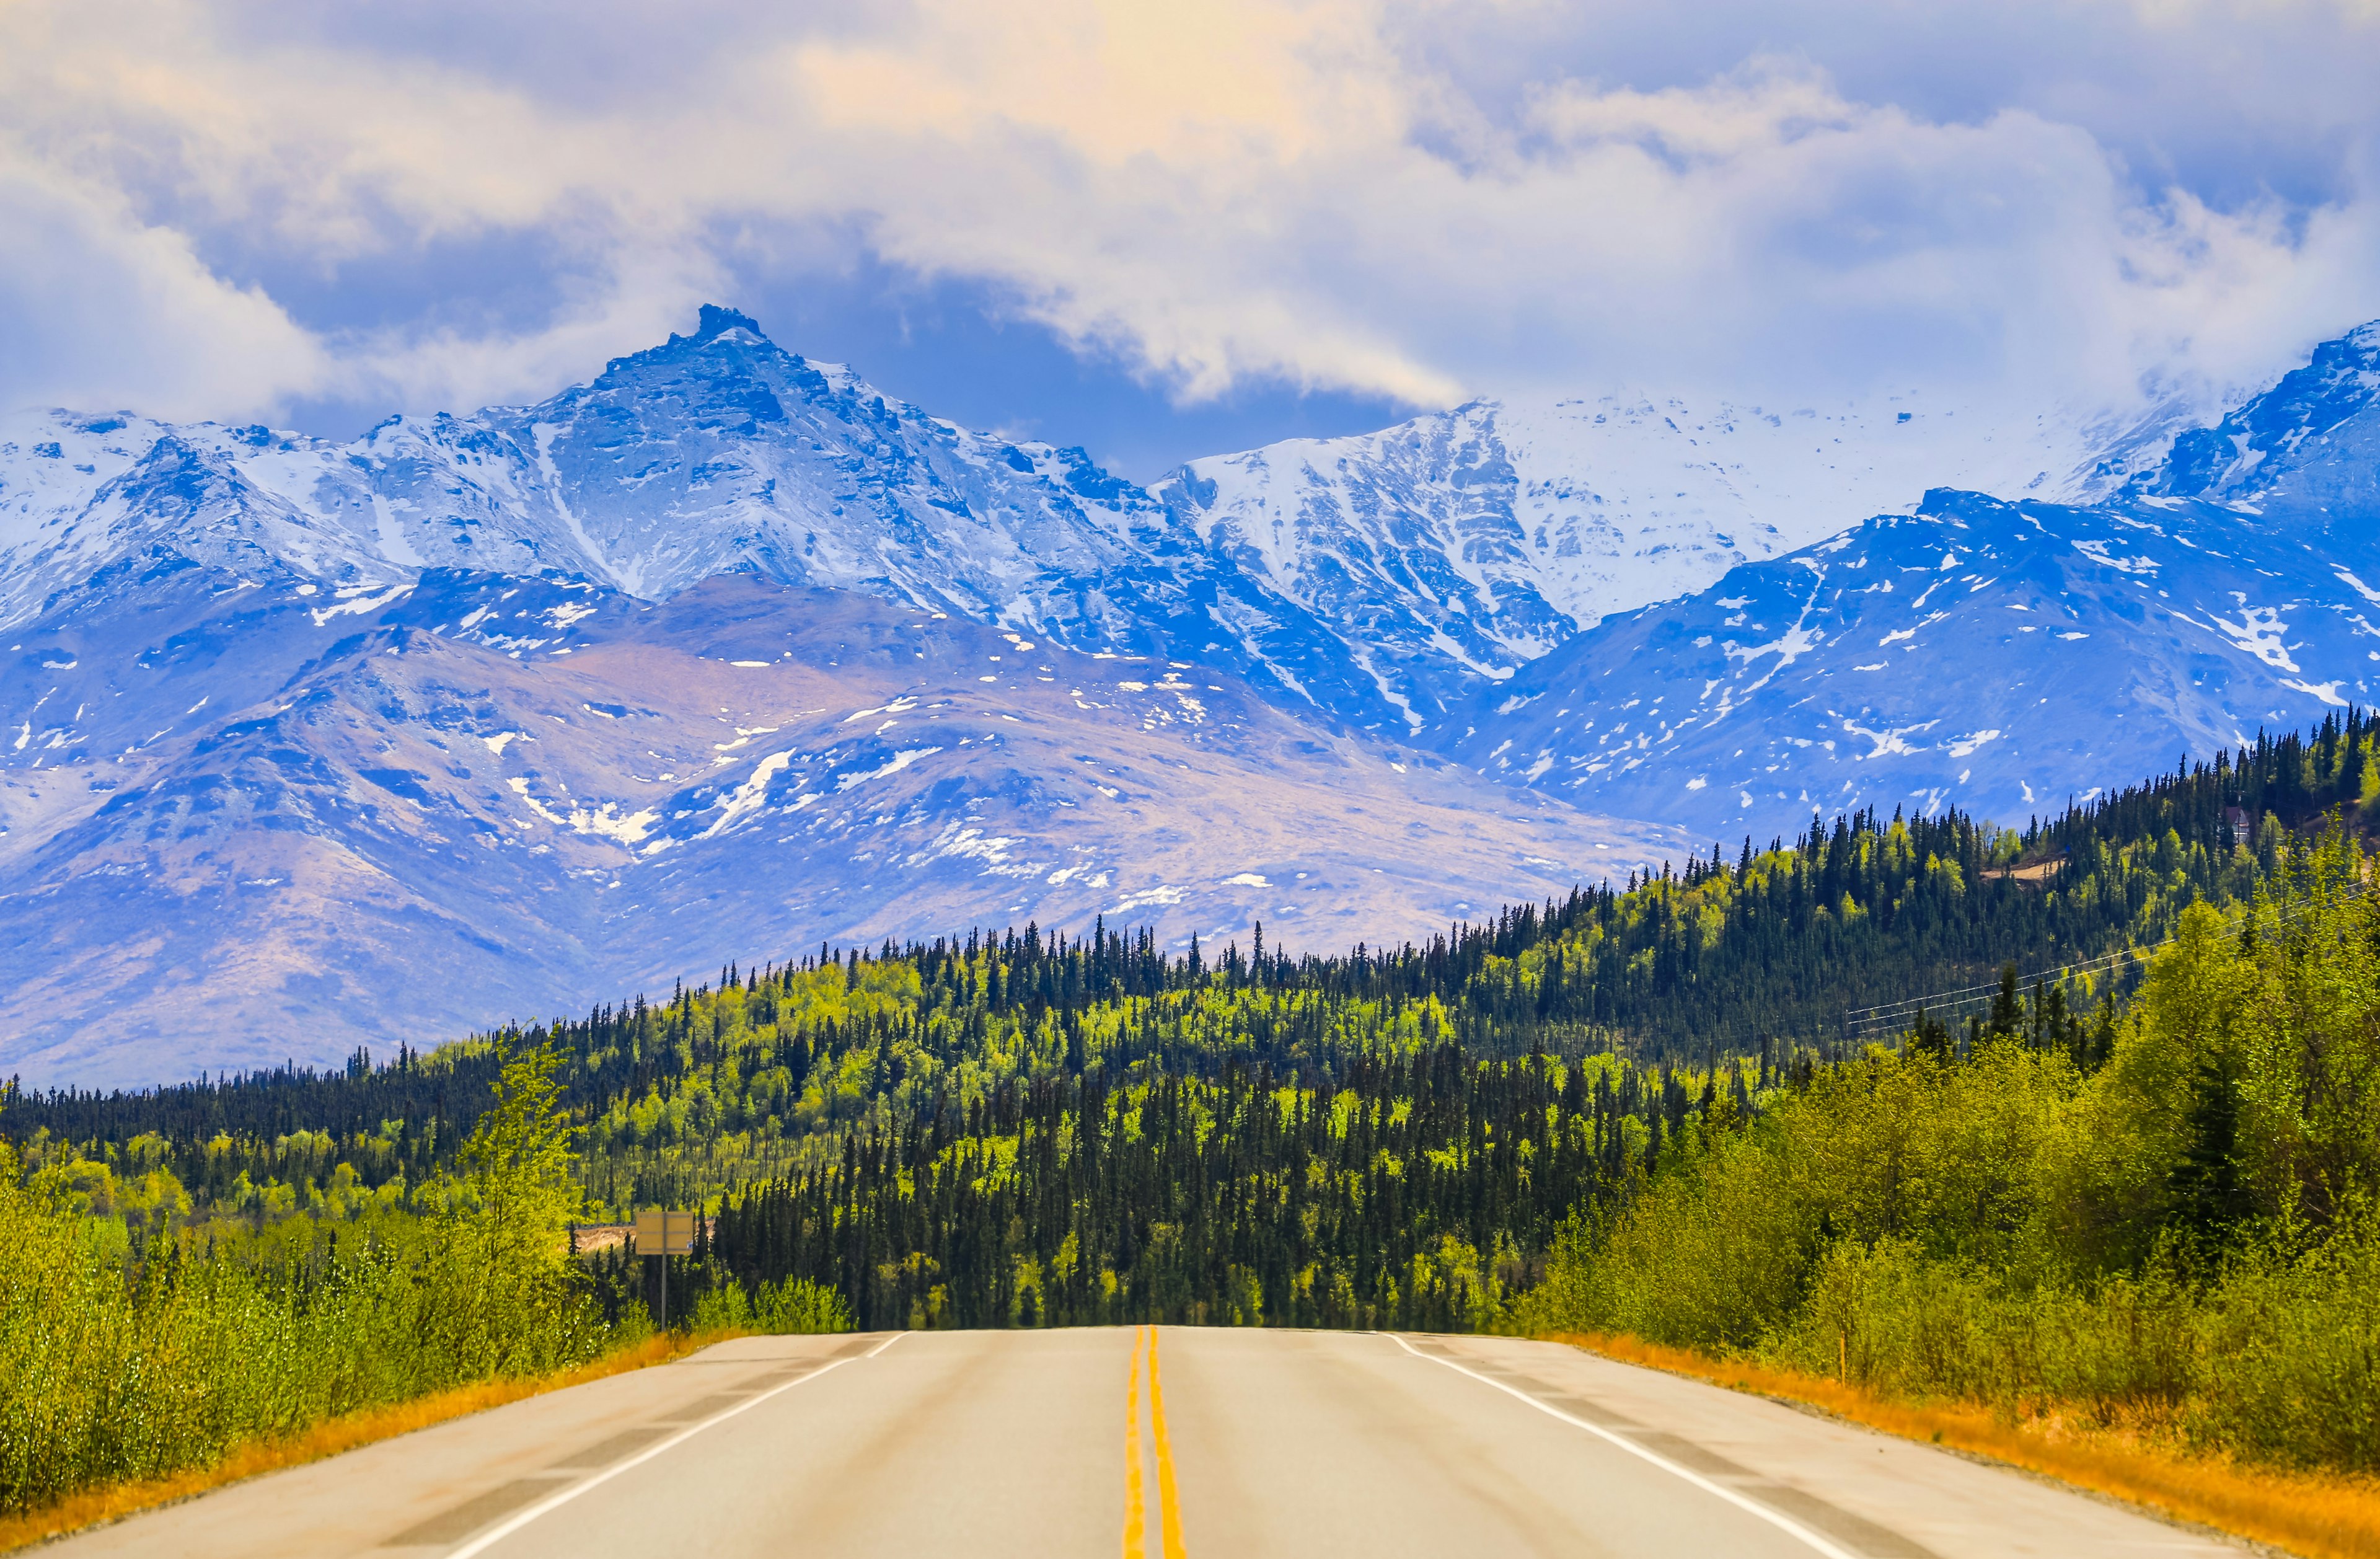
<point x="661" y="1234"/>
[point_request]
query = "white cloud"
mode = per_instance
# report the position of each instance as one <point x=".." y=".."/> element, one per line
<point x="99" y="310"/>
<point x="1417" y="201"/>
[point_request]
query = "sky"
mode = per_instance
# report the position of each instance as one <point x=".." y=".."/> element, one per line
<point x="1162" y="231"/>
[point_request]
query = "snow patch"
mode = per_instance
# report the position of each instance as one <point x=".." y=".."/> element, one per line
<point x="1888" y="743"/>
<point x="2327" y="692"/>
<point x="900" y="761"/>
<point x="2258" y="632"/>
<point x="960" y="842"/>
<point x="746" y="798"/>
<point x="1962" y="747"/>
<point x="393" y="545"/>
<point x="359" y="603"/>
<point x="2097" y="552"/>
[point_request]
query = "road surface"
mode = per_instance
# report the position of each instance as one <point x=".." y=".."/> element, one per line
<point x="1148" y="1442"/>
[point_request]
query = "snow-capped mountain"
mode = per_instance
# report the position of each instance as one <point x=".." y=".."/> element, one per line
<point x="1996" y="655"/>
<point x="244" y="817"/>
<point x="1494" y="533"/>
<point x="726" y="652"/>
<point x="716" y="453"/>
<point x="1374" y="581"/>
<point x="2307" y="450"/>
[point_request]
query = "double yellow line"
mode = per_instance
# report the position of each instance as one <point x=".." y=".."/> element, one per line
<point x="1169" y="1500"/>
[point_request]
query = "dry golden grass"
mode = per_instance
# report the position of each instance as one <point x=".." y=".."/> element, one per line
<point x="91" y="1507"/>
<point x="2320" y="1515"/>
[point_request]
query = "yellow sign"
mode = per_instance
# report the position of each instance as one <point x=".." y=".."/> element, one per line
<point x="662" y="1233"/>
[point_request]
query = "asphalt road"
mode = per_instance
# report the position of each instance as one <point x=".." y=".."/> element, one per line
<point x="1154" y="1443"/>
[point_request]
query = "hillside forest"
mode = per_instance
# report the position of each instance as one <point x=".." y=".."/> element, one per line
<point x="2142" y="1187"/>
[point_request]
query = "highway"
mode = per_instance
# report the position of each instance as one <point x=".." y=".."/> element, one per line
<point x="1147" y="1442"/>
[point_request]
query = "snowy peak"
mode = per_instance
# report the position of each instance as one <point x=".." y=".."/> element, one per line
<point x="54" y="463"/>
<point x="1998" y="653"/>
<point x="712" y="321"/>
<point x="1992" y="655"/>
<point x="2309" y="444"/>
<point x="1380" y="579"/>
<point x="187" y="493"/>
<point x="721" y="450"/>
<point x="712" y="453"/>
<point x="1487" y="535"/>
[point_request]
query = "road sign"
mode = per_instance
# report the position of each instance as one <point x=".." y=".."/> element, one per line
<point x="662" y="1233"/>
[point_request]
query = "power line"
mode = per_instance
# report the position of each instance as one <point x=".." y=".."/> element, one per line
<point x="1886" y="1017"/>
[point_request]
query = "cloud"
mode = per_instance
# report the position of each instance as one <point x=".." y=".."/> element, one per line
<point x="100" y="309"/>
<point x="1415" y="201"/>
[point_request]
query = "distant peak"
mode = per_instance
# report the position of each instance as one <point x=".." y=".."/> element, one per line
<point x="716" y="321"/>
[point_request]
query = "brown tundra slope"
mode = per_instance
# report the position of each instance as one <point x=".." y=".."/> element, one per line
<point x="249" y="823"/>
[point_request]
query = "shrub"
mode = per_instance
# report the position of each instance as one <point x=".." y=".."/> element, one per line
<point x="126" y="1368"/>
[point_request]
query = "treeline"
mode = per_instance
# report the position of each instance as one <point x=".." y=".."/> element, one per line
<point x="1403" y="1191"/>
<point x="137" y="1352"/>
<point x="2293" y="778"/>
<point x="2183" y="1240"/>
<point x="786" y="1073"/>
<point x="1700" y="960"/>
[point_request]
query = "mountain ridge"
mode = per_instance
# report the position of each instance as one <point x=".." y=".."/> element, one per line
<point x="1904" y="660"/>
<point x="565" y="692"/>
<point x="1429" y="560"/>
<point x="241" y="815"/>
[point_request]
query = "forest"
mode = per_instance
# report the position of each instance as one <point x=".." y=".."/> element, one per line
<point x="1645" y="1108"/>
<point x="2177" y="1234"/>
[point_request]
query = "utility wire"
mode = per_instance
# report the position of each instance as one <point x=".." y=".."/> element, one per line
<point x="1866" y="1022"/>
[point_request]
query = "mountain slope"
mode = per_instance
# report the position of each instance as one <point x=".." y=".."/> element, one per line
<point x="2307" y="449"/>
<point x="1493" y="532"/>
<point x="715" y="453"/>
<point x="242" y="818"/>
<point x="1375" y="581"/>
<point x="1999" y="656"/>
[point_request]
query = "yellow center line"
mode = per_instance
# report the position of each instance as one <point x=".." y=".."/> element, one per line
<point x="1135" y="1542"/>
<point x="1168" y="1502"/>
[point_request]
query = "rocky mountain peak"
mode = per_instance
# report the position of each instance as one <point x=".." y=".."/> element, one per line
<point x="714" y="321"/>
<point x="2309" y="417"/>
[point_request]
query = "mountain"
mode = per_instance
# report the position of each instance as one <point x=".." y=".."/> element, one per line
<point x="715" y="453"/>
<point x="1377" y="581"/>
<point x="244" y="818"/>
<point x="2307" y="450"/>
<point x="2000" y="656"/>
<point x="726" y="649"/>
<point x="1492" y="533"/>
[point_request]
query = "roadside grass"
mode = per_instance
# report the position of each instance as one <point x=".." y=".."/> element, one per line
<point x="112" y="1501"/>
<point x="2320" y="1515"/>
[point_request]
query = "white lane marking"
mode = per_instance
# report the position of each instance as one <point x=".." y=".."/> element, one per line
<point x="488" y="1540"/>
<point x="1777" y="1519"/>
